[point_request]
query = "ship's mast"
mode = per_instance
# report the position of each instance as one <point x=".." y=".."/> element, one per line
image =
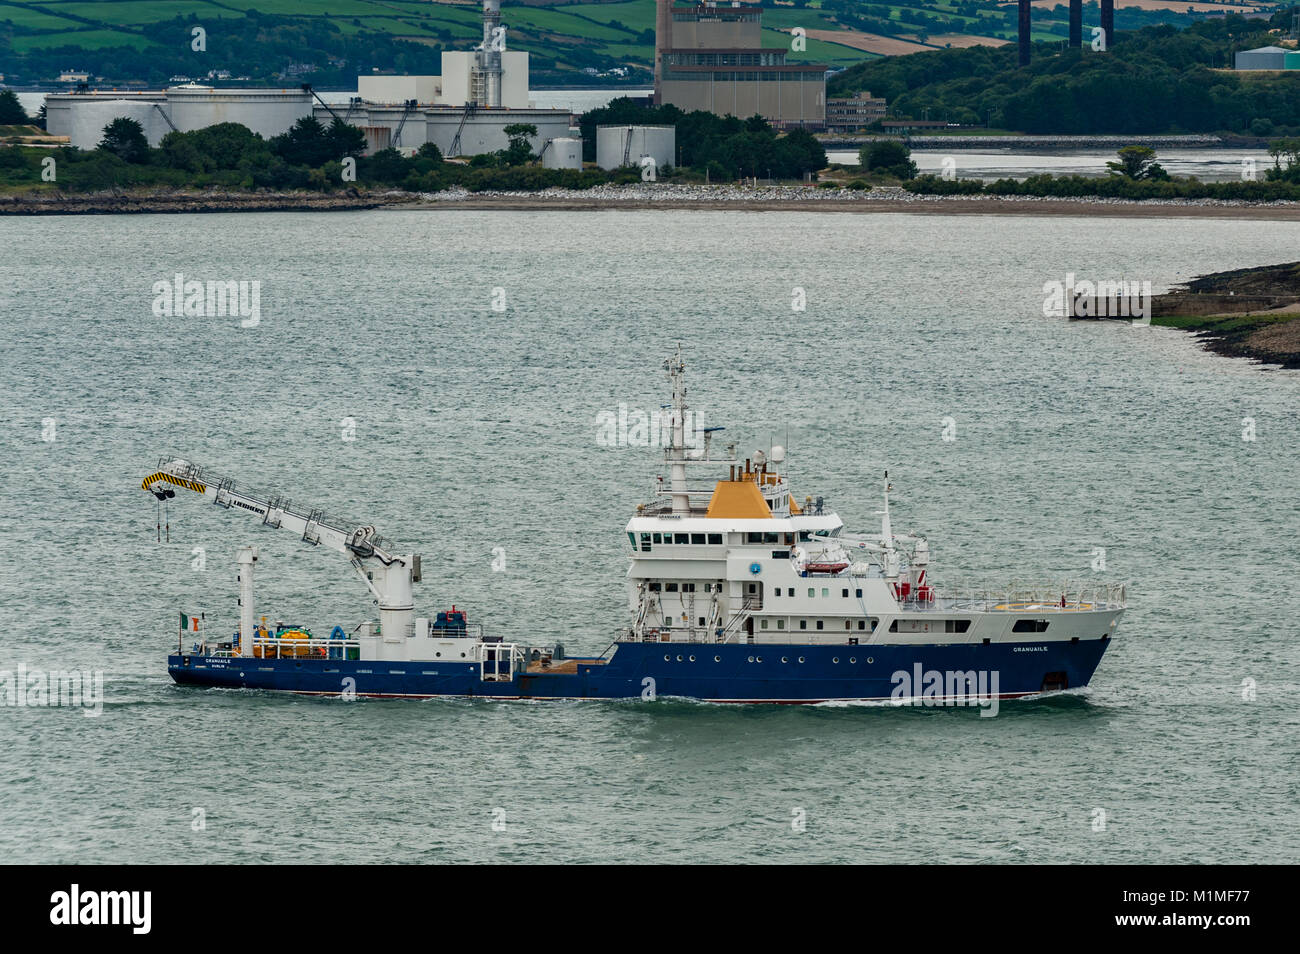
<point x="676" y="453"/>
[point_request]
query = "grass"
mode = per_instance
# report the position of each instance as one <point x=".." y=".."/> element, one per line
<point x="127" y="13"/>
<point x="85" y="39"/>
<point x="636" y="14"/>
<point x="548" y="30"/>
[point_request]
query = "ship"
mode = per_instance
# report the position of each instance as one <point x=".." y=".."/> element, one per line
<point x="738" y="592"/>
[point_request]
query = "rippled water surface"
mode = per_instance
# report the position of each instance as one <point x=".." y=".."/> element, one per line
<point x="475" y="429"/>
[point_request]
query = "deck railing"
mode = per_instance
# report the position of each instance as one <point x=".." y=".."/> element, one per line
<point x="273" y="648"/>
<point x="1016" y="597"/>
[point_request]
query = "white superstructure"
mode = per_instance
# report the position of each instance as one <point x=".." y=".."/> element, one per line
<point x="741" y="559"/>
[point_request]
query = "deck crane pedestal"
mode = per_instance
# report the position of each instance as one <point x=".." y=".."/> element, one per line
<point x="387" y="575"/>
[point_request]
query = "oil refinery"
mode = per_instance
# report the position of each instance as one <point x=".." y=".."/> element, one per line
<point x="464" y="111"/>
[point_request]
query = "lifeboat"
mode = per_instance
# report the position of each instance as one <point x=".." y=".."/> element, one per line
<point x="835" y="567"/>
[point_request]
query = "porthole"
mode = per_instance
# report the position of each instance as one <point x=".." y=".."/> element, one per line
<point x="437" y="655"/>
<point x="668" y="659"/>
<point x="462" y="655"/>
<point x="801" y="659"/>
<point x="784" y="659"/>
<point x="836" y="660"/>
<point x="870" y="660"/>
<point x="852" y="659"/>
<point x="679" y="658"/>
<point x="717" y="659"/>
<point x="692" y="659"/>
<point x="751" y="658"/>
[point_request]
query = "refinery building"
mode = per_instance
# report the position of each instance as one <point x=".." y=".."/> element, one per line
<point x="464" y="111"/>
<point x="710" y="56"/>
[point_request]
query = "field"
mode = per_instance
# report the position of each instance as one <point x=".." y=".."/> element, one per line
<point x="562" y="36"/>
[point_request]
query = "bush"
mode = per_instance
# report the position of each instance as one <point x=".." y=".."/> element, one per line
<point x="889" y="157"/>
<point x="935" y="185"/>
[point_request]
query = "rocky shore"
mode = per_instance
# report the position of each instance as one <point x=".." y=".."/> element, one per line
<point x="109" y="203"/>
<point x="642" y="196"/>
<point x="804" y="198"/>
<point x="1244" y="313"/>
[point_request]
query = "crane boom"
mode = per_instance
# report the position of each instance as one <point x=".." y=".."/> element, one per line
<point x="387" y="575"/>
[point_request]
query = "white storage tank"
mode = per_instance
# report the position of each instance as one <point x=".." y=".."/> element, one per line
<point x="657" y="142"/>
<point x="82" y="117"/>
<point x="564" y="153"/>
<point x="265" y="111"/>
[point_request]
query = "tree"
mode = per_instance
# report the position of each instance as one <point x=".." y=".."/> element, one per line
<point x="125" y="139"/>
<point x="1288" y="149"/>
<point x="11" y="110"/>
<point x="345" y="139"/>
<point x="1137" y="162"/>
<point x="223" y="146"/>
<point x="520" y="151"/>
<point x="888" y="157"/>
<point x="430" y="151"/>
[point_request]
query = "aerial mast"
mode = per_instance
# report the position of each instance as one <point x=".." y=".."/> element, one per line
<point x="677" y="451"/>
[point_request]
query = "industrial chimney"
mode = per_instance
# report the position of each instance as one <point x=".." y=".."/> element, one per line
<point x="1024" y="32"/>
<point x="489" y="57"/>
<point x="1076" y="24"/>
<point x="663" y="43"/>
<point x="1108" y="21"/>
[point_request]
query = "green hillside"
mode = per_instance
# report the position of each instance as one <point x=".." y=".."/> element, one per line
<point x="329" y="41"/>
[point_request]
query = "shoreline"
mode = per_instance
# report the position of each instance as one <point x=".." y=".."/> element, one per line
<point x="147" y="203"/>
<point x="665" y="197"/>
<point x="1251" y="313"/>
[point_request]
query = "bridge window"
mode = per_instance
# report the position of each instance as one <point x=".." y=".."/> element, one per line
<point x="681" y="538"/>
<point x="697" y="538"/>
<point x="753" y="538"/>
<point x="658" y="538"/>
<point x="645" y="543"/>
<point x="1026" y="626"/>
<point x="670" y="587"/>
<point x="632" y="537"/>
<point x="715" y="538"/>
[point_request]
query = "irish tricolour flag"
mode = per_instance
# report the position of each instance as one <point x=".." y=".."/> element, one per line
<point x="189" y="624"/>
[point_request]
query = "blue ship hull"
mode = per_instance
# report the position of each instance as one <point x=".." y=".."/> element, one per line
<point x="779" y="673"/>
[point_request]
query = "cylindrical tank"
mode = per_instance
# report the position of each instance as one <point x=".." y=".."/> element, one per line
<point x="265" y="111"/>
<point x="656" y="142"/>
<point x="1291" y="61"/>
<point x="562" y="153"/>
<point x="82" y="118"/>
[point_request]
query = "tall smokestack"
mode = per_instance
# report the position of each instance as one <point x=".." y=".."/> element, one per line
<point x="1076" y="24"/>
<point x="1024" y="32"/>
<point x="663" y="43"/>
<point x="489" y="57"/>
<point x="1108" y="21"/>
